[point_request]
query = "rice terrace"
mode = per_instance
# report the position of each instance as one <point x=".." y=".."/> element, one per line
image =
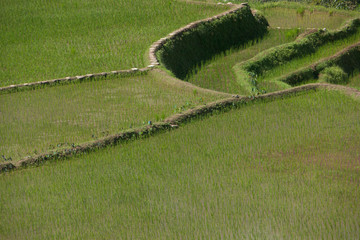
<point x="179" y="119"/>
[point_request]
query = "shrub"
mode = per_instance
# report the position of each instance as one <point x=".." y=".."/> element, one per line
<point x="301" y="11"/>
<point x="334" y="75"/>
<point x="292" y="33"/>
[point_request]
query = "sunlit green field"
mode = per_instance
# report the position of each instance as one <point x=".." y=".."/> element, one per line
<point x="283" y="169"/>
<point x="42" y="40"/>
<point x="354" y="80"/>
<point x="289" y="18"/>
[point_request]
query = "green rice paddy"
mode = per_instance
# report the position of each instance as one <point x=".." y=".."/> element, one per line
<point x="282" y="169"/>
<point x="287" y="168"/>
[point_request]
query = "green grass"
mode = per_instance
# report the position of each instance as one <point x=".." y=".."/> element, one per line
<point x="289" y="18"/>
<point x="284" y="169"/>
<point x="354" y="80"/>
<point x="218" y="73"/>
<point x="286" y="14"/>
<point x="324" y="51"/>
<point x="35" y="121"/>
<point x="41" y="40"/>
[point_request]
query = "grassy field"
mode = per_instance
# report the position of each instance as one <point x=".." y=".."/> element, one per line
<point x="354" y="80"/>
<point x="286" y="14"/>
<point x="41" y="40"/>
<point x="289" y="18"/>
<point x="283" y="169"/>
<point x="35" y="121"/>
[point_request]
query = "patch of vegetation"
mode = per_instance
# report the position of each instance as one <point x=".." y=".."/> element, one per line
<point x="333" y="75"/>
<point x="256" y="171"/>
<point x="301" y="11"/>
<point x="354" y="80"/>
<point x="292" y="33"/>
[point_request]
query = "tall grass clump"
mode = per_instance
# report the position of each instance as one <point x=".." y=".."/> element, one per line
<point x="187" y="50"/>
<point x="269" y="62"/>
<point x="354" y="79"/>
<point x="301" y="11"/>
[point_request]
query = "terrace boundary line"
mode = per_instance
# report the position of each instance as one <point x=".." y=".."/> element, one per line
<point x="170" y="123"/>
<point x="152" y="56"/>
<point x="312" y="70"/>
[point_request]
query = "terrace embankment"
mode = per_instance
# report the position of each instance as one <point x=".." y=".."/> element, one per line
<point x="347" y="59"/>
<point x="199" y="41"/>
<point x="171" y="123"/>
<point x="307" y="45"/>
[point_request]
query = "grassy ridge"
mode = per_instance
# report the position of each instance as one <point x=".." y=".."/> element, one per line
<point x="227" y="176"/>
<point x="247" y="72"/>
<point x="324" y="51"/>
<point x="41" y="40"/>
<point x="280" y="55"/>
<point x="344" y="64"/>
<point x="35" y="121"/>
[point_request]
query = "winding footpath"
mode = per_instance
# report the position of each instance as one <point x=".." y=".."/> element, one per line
<point x="171" y="122"/>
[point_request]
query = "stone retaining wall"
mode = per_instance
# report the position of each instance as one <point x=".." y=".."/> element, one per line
<point x="158" y="44"/>
<point x="33" y="85"/>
